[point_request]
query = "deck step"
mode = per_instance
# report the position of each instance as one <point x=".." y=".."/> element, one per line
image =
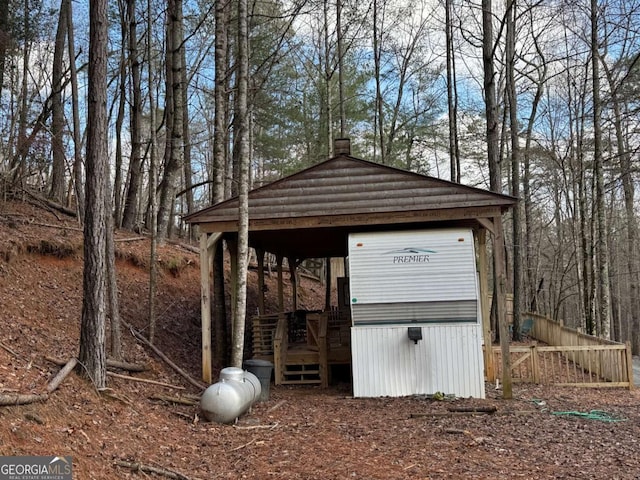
<point x="301" y="373"/>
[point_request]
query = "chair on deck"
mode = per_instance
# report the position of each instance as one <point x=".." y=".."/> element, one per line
<point x="525" y="327"/>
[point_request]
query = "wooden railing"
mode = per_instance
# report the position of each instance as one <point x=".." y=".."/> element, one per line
<point x="280" y="348"/>
<point x="317" y="340"/>
<point x="581" y="366"/>
<point x="610" y="366"/>
<point x="569" y="358"/>
<point x="264" y="330"/>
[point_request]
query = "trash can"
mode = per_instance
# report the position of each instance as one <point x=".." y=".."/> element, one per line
<point x="261" y="369"/>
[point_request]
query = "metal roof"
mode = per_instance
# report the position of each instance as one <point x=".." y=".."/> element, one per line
<point x="309" y="214"/>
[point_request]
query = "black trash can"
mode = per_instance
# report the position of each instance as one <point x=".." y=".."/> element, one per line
<point x="261" y="369"/>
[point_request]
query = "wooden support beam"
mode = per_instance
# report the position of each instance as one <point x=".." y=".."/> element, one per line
<point x="280" y="284"/>
<point x="327" y="290"/>
<point x="500" y="285"/>
<point x="485" y="309"/>
<point x="260" y="261"/>
<point x="293" y="266"/>
<point x="486" y="223"/>
<point x="207" y="244"/>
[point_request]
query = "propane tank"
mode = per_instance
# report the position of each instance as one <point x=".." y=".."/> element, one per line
<point x="231" y="396"/>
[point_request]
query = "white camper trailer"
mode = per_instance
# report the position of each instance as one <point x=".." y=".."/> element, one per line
<point x="415" y="306"/>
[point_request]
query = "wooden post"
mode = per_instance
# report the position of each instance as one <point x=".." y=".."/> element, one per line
<point x="500" y="275"/>
<point x="327" y="291"/>
<point x="280" y="284"/>
<point x="260" y="261"/>
<point x="293" y="266"/>
<point x="535" y="366"/>
<point x="484" y="305"/>
<point x="629" y="364"/>
<point x="205" y="307"/>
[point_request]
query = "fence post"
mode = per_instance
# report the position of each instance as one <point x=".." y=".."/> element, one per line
<point x="629" y="364"/>
<point x="535" y="367"/>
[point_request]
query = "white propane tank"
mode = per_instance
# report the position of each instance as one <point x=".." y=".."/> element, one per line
<point x="231" y="396"/>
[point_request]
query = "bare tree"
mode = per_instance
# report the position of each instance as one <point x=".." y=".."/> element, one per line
<point x="92" y="354"/>
<point x="511" y="16"/>
<point x="130" y="213"/>
<point x="78" y="180"/>
<point x="153" y="175"/>
<point x="452" y="97"/>
<point x="174" y="152"/>
<point x="602" y="249"/>
<point x="57" y="109"/>
<point x="242" y="143"/>
<point x="491" y="113"/>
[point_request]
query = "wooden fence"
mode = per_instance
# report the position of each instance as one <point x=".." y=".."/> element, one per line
<point x="569" y="358"/>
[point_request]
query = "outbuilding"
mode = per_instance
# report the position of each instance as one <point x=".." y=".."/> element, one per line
<point x="425" y="337"/>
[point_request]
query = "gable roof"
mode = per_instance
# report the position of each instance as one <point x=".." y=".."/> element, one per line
<point x="323" y="203"/>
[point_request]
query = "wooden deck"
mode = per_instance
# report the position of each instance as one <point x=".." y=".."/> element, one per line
<point x="303" y="345"/>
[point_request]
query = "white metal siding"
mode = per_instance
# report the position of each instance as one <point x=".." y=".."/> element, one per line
<point x="448" y="359"/>
<point x="411" y="267"/>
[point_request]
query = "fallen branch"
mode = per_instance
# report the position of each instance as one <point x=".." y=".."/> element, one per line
<point x="131" y="367"/>
<point x="9" y="350"/>
<point x="10" y="399"/>
<point x="34" y="418"/>
<point x="184" y="374"/>
<point x="130" y="239"/>
<point x="178" y="400"/>
<point x="149" y="469"/>
<point x="443" y="414"/>
<point x="144" y="380"/>
<point x="457" y="431"/>
<point x="62" y="374"/>
<point x="277" y="405"/>
<point x="255" y="427"/>
<point x="242" y="446"/>
<point x="453" y="414"/>
<point x="51" y="204"/>
<point x="491" y="409"/>
<point x="110" y="393"/>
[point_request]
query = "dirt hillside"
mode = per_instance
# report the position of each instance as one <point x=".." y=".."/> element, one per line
<point x="299" y="433"/>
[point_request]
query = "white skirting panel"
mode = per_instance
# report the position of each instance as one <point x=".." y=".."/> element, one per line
<point x="448" y="359"/>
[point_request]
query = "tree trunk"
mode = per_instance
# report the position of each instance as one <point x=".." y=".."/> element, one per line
<point x="57" y="109"/>
<point x="175" y="141"/>
<point x="78" y="179"/>
<point x="130" y="213"/>
<point x="242" y="143"/>
<point x="377" y="59"/>
<point x="153" y="176"/>
<point x="92" y="354"/>
<point x="341" y="99"/>
<point x="491" y="111"/>
<point x="452" y="98"/>
<point x="221" y="102"/>
<point x="515" y="164"/>
<point x="602" y="250"/>
<point x="328" y="75"/>
<point x="122" y="100"/>
<point x="4" y="31"/>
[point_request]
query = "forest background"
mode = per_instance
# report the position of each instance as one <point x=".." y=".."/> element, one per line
<point x="204" y="100"/>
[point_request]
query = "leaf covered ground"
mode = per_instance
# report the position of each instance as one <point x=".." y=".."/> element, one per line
<point x="299" y="433"/>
